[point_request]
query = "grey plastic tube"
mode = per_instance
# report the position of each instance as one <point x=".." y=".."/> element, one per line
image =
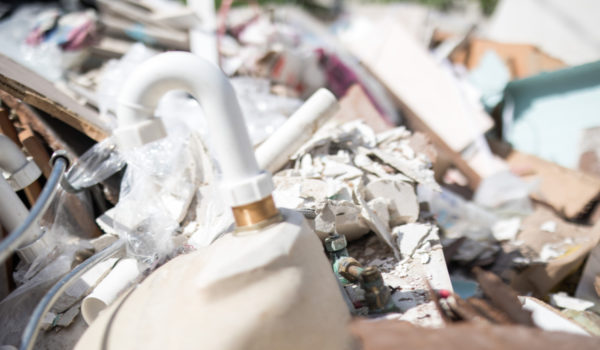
<point x="33" y="326"/>
<point x="16" y="238"/>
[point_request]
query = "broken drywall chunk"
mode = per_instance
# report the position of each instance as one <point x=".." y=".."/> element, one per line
<point x="348" y="220"/>
<point x="413" y="236"/>
<point x="506" y="230"/>
<point x="416" y="170"/>
<point x="559" y="253"/>
<point x="375" y="223"/>
<point x="325" y="221"/>
<point x="564" y="301"/>
<point x="379" y="206"/>
<point x="401" y="196"/>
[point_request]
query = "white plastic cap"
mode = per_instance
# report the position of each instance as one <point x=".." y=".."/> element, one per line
<point x="40" y="247"/>
<point x="249" y="190"/>
<point x="139" y="134"/>
<point x="24" y="176"/>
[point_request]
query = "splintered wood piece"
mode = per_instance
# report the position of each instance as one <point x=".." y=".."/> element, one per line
<point x="36" y="91"/>
<point x="503" y="297"/>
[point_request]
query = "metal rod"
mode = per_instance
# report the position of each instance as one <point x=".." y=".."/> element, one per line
<point x="33" y="326"/>
<point x="16" y="238"/>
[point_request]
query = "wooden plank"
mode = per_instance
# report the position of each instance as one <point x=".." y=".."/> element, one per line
<point x="28" y="117"/>
<point x="36" y="149"/>
<point x="36" y="91"/>
<point x="7" y="127"/>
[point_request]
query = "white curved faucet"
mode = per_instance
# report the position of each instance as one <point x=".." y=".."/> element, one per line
<point x="243" y="181"/>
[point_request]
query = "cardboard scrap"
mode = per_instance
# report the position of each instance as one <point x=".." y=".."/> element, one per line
<point x="572" y="244"/>
<point x="36" y="91"/>
<point x="568" y="191"/>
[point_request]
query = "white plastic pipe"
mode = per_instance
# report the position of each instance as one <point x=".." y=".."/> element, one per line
<point x="243" y="182"/>
<point x="12" y="160"/>
<point x="12" y="214"/>
<point x="203" y="37"/>
<point x="299" y="128"/>
<point x="12" y="211"/>
<point x="121" y="277"/>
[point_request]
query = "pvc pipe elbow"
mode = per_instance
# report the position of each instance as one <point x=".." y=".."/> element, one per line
<point x="243" y="182"/>
<point x="22" y="171"/>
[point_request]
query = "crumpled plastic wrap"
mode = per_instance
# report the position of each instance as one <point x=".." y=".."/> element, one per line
<point x="95" y="165"/>
<point x="68" y="220"/>
<point x="114" y="75"/>
<point x="16" y="308"/>
<point x="263" y="111"/>
<point x="158" y="186"/>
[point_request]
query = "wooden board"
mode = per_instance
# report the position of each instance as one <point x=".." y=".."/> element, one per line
<point x="36" y="91"/>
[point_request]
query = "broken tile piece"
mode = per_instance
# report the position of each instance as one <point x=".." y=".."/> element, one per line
<point x="403" y="202"/>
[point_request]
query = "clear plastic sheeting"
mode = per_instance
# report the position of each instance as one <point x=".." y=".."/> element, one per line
<point x="506" y="194"/>
<point x="95" y="165"/>
<point x="16" y="309"/>
<point x="212" y="217"/>
<point x="263" y="111"/>
<point x="457" y="216"/>
<point x="157" y="189"/>
<point x="114" y="74"/>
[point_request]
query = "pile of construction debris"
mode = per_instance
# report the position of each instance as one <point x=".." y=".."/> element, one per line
<point x="448" y="188"/>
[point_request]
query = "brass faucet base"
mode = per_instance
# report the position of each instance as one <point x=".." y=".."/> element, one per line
<point x="254" y="213"/>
